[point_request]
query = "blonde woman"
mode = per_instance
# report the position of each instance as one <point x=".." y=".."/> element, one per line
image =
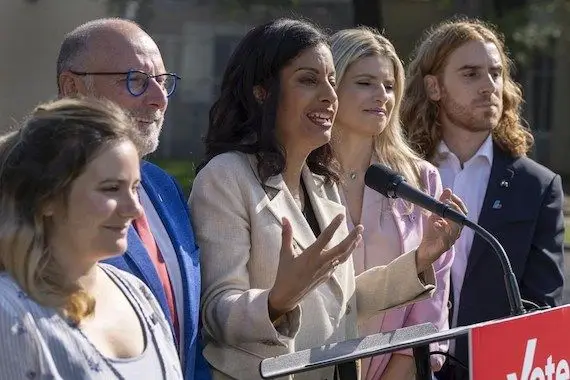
<point x="370" y="83"/>
<point x="68" y="193"/>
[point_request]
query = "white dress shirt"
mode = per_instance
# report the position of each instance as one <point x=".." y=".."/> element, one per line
<point x="469" y="182"/>
<point x="169" y="254"/>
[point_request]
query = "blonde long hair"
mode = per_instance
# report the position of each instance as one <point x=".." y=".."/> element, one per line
<point x="420" y="114"/>
<point x="39" y="164"/>
<point x="390" y="146"/>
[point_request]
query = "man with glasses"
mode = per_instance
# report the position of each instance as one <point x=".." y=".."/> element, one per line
<point x="117" y="60"/>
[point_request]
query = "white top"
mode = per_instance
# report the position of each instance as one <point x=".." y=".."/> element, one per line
<point x="469" y="182"/>
<point x="38" y="343"/>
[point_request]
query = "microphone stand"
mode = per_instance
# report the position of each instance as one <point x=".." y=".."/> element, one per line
<point x="388" y="182"/>
<point x="511" y="284"/>
<point x="422" y="353"/>
<point x="422" y="361"/>
<point x="392" y="190"/>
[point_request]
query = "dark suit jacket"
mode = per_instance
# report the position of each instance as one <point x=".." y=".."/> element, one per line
<point x="523" y="210"/>
<point x="169" y="202"/>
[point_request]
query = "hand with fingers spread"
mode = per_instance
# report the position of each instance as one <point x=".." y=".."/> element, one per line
<point x="439" y="234"/>
<point x="298" y="274"/>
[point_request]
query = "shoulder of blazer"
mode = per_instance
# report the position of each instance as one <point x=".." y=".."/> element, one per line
<point x="528" y="169"/>
<point x="228" y="162"/>
<point x="161" y="182"/>
<point x="159" y="177"/>
<point x="533" y="169"/>
<point x="238" y="167"/>
<point x="153" y="170"/>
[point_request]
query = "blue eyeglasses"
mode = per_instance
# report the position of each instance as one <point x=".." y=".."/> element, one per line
<point x="137" y="81"/>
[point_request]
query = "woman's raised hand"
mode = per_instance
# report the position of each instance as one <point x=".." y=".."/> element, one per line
<point x="439" y="233"/>
<point x="299" y="273"/>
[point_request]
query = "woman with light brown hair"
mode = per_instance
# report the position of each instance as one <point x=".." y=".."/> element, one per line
<point x="68" y="193"/>
<point x="367" y="130"/>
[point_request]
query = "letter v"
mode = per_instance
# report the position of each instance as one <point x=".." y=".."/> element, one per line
<point x="528" y="361"/>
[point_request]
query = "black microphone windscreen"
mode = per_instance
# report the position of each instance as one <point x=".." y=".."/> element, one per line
<point x="381" y="178"/>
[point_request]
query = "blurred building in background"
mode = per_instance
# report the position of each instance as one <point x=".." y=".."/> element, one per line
<point x="31" y="33"/>
<point x="197" y="37"/>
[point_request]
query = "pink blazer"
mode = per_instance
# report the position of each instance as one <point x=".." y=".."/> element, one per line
<point x="376" y="251"/>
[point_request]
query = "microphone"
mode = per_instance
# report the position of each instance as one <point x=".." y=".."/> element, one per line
<point x="392" y="185"/>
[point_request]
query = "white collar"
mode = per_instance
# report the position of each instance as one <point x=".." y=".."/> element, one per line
<point x="485" y="151"/>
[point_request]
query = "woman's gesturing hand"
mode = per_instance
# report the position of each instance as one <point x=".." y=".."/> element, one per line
<point x="299" y="273"/>
<point x="439" y="233"/>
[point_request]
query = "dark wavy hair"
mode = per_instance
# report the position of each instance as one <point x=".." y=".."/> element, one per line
<point x="239" y="122"/>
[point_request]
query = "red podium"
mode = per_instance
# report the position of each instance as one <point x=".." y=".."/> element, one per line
<point x="533" y="346"/>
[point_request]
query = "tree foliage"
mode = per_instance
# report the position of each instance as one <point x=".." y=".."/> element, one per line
<point x="366" y="12"/>
<point x="531" y="28"/>
<point x="536" y="27"/>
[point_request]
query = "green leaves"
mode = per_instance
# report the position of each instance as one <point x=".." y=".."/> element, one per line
<point x="529" y="29"/>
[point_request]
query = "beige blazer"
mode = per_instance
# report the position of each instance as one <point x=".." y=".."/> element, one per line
<point x="237" y="222"/>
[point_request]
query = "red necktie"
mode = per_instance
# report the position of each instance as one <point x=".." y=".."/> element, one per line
<point x="143" y="229"/>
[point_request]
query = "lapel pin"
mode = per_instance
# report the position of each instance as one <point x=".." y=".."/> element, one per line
<point x="497" y="205"/>
<point x="504" y="183"/>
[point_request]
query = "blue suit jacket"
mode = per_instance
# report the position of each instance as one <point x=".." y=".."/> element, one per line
<point x="169" y="202"/>
<point x="522" y="208"/>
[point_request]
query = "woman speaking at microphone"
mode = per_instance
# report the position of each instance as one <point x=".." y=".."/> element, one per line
<point x="370" y="83"/>
<point x="277" y="272"/>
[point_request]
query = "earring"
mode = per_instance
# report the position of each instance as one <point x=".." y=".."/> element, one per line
<point x="259" y="94"/>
